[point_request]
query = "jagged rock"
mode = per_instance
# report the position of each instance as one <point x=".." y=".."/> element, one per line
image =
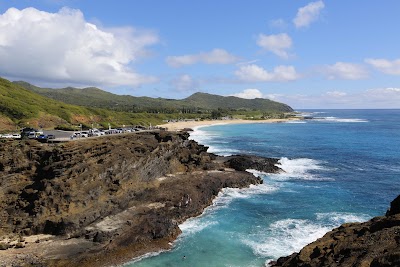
<point x="84" y="192"/>
<point x="244" y="162"/>
<point x="373" y="243"/>
<point x="394" y="207"/>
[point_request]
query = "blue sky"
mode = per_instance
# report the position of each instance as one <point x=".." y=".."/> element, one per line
<point x="308" y="54"/>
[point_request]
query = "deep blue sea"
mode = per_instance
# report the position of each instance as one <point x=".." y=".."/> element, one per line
<point x="342" y="166"/>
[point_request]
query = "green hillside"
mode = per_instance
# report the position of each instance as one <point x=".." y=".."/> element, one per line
<point x="209" y="101"/>
<point x="20" y="107"/>
<point x="22" y="104"/>
<point x="196" y="103"/>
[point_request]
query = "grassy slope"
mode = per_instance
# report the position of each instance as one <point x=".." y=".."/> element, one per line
<point x="19" y="106"/>
<point x="209" y="101"/>
<point x="95" y="97"/>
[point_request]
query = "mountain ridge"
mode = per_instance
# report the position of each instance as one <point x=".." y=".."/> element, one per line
<point x="25" y="105"/>
<point x="95" y="97"/>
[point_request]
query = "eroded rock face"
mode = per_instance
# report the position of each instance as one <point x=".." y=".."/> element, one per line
<point x="373" y="243"/>
<point x="244" y="162"/>
<point x="58" y="189"/>
<point x="112" y="197"/>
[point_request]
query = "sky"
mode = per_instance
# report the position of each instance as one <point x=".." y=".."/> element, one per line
<point x="308" y="54"/>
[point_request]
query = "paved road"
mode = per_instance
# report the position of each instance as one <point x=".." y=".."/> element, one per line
<point x="59" y="134"/>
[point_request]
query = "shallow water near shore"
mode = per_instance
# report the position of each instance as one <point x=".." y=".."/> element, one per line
<point x="340" y="167"/>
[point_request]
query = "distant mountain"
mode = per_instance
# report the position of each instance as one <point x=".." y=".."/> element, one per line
<point x="94" y="97"/>
<point x="209" y="101"/>
<point x="21" y="107"/>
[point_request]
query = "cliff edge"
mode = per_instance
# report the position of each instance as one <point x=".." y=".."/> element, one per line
<point x="105" y="200"/>
<point x="375" y="243"/>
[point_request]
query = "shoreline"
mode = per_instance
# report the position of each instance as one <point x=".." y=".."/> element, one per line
<point x="181" y="125"/>
<point x="166" y="195"/>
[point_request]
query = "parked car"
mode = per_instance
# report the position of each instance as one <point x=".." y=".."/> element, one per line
<point x="11" y="136"/>
<point x="16" y="136"/>
<point x="42" y="138"/>
<point x="84" y="134"/>
<point x="51" y="136"/>
<point x="33" y="135"/>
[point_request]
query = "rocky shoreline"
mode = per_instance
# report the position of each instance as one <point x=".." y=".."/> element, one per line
<point x="107" y="200"/>
<point x="375" y="243"/>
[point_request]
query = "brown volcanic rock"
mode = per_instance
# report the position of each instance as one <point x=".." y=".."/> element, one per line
<point x="373" y="243"/>
<point x="107" y="199"/>
<point x="47" y="189"/>
<point x="244" y="162"/>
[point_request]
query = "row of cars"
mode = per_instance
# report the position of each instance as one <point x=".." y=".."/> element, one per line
<point x="97" y="132"/>
<point x="38" y="135"/>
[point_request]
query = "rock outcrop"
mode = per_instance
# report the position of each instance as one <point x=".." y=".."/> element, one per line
<point x="106" y="199"/>
<point x="244" y="162"/>
<point x="375" y="243"/>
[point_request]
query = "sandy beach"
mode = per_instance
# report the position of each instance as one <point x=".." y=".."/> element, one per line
<point x="180" y="125"/>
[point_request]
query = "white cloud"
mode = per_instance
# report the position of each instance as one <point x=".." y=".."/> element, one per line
<point x="274" y="97"/>
<point x="249" y="94"/>
<point x="63" y="48"/>
<point x="336" y="94"/>
<point x="346" y="71"/>
<point x="278" y="24"/>
<point x="215" y="56"/>
<point x="184" y="83"/>
<point x="275" y="43"/>
<point x="308" y="14"/>
<point x="385" y="66"/>
<point x="254" y="73"/>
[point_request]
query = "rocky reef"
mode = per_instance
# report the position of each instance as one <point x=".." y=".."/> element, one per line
<point x="106" y="200"/>
<point x="375" y="243"/>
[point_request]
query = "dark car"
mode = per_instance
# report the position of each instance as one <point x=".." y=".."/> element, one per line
<point x="51" y="136"/>
<point x="42" y="137"/>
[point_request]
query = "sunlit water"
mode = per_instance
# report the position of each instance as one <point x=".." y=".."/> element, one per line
<point x="343" y="166"/>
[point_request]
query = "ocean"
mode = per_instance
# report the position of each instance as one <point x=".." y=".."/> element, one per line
<point x="342" y="166"/>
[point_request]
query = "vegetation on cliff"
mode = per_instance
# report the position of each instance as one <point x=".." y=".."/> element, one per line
<point x="20" y="107"/>
<point x="23" y="104"/>
<point x="198" y="103"/>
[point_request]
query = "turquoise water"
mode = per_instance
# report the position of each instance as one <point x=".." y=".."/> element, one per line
<point x="343" y="166"/>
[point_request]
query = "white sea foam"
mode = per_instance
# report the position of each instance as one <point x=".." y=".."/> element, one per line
<point x="201" y="136"/>
<point x="301" y="169"/>
<point x="228" y="194"/>
<point x="207" y="138"/>
<point x="295" y="122"/>
<point x="286" y="236"/>
<point x="225" y="196"/>
<point x="335" y="119"/>
<point x="194" y="225"/>
<point x="145" y="256"/>
<point x="337" y="218"/>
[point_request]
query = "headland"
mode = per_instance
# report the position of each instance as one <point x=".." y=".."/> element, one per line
<point x="105" y="201"/>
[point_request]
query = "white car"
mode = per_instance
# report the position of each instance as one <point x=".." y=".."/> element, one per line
<point x="11" y="136"/>
<point x="84" y="134"/>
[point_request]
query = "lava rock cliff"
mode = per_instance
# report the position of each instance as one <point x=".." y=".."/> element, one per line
<point x="106" y="199"/>
<point x="375" y="243"/>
